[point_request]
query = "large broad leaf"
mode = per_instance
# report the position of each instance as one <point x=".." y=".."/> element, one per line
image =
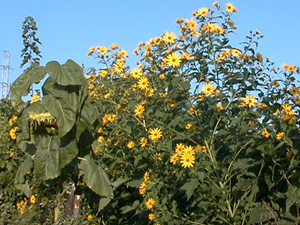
<point x="70" y="93"/>
<point x="21" y="86"/>
<point x="47" y="157"/>
<point x="63" y="111"/>
<point x="87" y="117"/>
<point x="20" y="182"/>
<point x="68" y="150"/>
<point x="69" y="73"/>
<point x="95" y="177"/>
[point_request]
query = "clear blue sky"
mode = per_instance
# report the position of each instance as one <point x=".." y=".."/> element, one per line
<point x="68" y="28"/>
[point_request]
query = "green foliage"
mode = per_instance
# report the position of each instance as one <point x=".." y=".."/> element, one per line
<point x="201" y="132"/>
<point x="31" y="53"/>
<point x="238" y="130"/>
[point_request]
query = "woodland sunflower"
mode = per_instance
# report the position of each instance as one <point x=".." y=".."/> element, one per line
<point x="179" y="148"/>
<point x="169" y="37"/>
<point x="143" y="141"/>
<point x="150" y="203"/>
<point x="174" y="158"/>
<point x="143" y="83"/>
<point x="155" y="134"/>
<point x="265" y="133"/>
<point x="280" y="135"/>
<point x="151" y="216"/>
<point x="130" y="144"/>
<point x="208" y="89"/>
<point x="139" y="110"/>
<point x="202" y="12"/>
<point x="102" y="50"/>
<point x="136" y="73"/>
<point x="187" y="160"/>
<point x="192" y="24"/>
<point x="230" y="8"/>
<point x="173" y="60"/>
<point x="250" y="100"/>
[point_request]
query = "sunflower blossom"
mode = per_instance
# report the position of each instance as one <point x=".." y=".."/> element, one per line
<point x="155" y="134"/>
<point x="150" y="203"/>
<point x="265" y="133"/>
<point x="202" y="12"/>
<point x="173" y="60"/>
<point x="280" y="135"/>
<point x="136" y="73"/>
<point x="169" y="37"/>
<point x="208" y="89"/>
<point x="230" y="8"/>
<point x="139" y="110"/>
<point x="187" y="160"/>
<point x="143" y="83"/>
<point x="250" y="100"/>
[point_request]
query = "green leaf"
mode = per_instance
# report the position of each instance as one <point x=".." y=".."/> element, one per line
<point x="69" y="73"/>
<point x="21" y="86"/>
<point x="20" y="182"/>
<point x="186" y="85"/>
<point x="46" y="159"/>
<point x="119" y="181"/>
<point x="62" y="111"/>
<point x="68" y="150"/>
<point x="103" y="202"/>
<point x="189" y="187"/>
<point x="259" y="214"/>
<point x="95" y="177"/>
<point x="135" y="183"/>
<point x="128" y="208"/>
<point x="88" y="114"/>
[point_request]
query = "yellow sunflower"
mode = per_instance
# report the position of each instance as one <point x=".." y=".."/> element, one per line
<point x="136" y="73"/>
<point x="143" y="141"/>
<point x="169" y="37"/>
<point x="130" y="144"/>
<point x="265" y="133"/>
<point x="174" y="158"/>
<point x="230" y="8"/>
<point x="250" y="100"/>
<point x="187" y="160"/>
<point x="208" y="89"/>
<point x="143" y="83"/>
<point x="280" y="135"/>
<point x="155" y="134"/>
<point x="139" y="110"/>
<point x="150" y="203"/>
<point x="202" y="12"/>
<point x="173" y="60"/>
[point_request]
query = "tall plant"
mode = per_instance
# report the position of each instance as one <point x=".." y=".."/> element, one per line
<point x="200" y="132"/>
<point x="54" y="132"/>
